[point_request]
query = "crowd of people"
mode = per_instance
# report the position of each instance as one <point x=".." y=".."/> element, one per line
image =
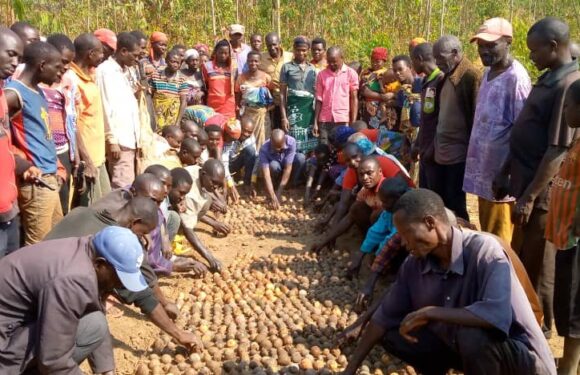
<point x="113" y="147"/>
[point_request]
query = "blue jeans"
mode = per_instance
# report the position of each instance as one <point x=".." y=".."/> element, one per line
<point x="298" y="166"/>
<point x="9" y="236"/>
<point x="246" y="159"/>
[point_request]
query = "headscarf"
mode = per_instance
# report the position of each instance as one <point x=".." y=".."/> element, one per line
<point x="380" y="53"/>
<point x="107" y="37"/>
<point x="191" y="53"/>
<point x="366" y="147"/>
<point x="233" y="128"/>
<point x="355" y="137"/>
<point x="156" y="37"/>
<point x="217" y="119"/>
<point x="341" y="134"/>
<point x="416" y="41"/>
<point x="200" y="47"/>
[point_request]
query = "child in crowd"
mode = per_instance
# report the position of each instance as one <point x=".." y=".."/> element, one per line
<point x="169" y="91"/>
<point x="214" y="134"/>
<point x="191" y="130"/>
<point x="318" y="166"/>
<point x="390" y="86"/>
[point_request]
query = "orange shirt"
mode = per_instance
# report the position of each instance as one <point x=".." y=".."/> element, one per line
<point x="90" y="119"/>
<point x="564" y="201"/>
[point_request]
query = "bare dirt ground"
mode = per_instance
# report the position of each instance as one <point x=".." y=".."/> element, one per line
<point x="134" y="336"/>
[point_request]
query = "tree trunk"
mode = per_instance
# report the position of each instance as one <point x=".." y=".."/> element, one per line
<point x="237" y="11"/>
<point x="442" y="20"/>
<point x="273" y="14"/>
<point x="511" y="11"/>
<point x="213" y="18"/>
<point x="88" y="15"/>
<point x="115" y="15"/>
<point x="278" y="17"/>
<point x="429" y="10"/>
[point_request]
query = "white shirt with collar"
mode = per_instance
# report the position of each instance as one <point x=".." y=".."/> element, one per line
<point x="120" y="107"/>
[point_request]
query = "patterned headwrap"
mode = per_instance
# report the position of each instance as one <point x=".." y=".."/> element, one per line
<point x="233" y="128"/>
<point x="202" y="48"/>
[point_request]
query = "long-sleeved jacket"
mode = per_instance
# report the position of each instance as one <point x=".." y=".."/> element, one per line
<point x="45" y="290"/>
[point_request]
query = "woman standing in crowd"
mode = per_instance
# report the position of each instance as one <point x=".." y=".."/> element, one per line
<point x="203" y="50"/>
<point x="372" y="91"/>
<point x="253" y="96"/>
<point x="169" y="91"/>
<point x="219" y="75"/>
<point x="297" y="91"/>
<point x="193" y="77"/>
<point x="157" y="48"/>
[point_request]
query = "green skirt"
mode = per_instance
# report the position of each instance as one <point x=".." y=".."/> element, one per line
<point x="300" y="112"/>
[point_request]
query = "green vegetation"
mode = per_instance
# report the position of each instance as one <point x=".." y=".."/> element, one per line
<point x="357" y="25"/>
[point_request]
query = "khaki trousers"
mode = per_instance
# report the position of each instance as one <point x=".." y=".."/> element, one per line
<point x="496" y="218"/>
<point x="40" y="209"/>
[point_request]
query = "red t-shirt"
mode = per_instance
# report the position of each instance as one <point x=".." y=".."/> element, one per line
<point x="389" y="168"/>
<point x="8" y="189"/>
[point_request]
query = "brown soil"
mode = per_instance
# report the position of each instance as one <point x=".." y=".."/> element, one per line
<point x="134" y="335"/>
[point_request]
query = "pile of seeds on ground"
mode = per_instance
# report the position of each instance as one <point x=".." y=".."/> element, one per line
<point x="272" y="315"/>
<point x="254" y="218"/>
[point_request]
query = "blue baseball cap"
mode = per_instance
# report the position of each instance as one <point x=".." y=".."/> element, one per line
<point x="122" y="249"/>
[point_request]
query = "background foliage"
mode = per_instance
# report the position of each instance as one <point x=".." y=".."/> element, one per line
<point x="356" y="25"/>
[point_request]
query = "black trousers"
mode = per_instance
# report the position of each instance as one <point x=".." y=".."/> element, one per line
<point x="447" y="181"/>
<point x="476" y="352"/>
<point x="276" y="118"/>
<point x="65" y="190"/>
<point x="539" y="258"/>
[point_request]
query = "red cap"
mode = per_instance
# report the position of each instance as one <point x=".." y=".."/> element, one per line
<point x="108" y="37"/>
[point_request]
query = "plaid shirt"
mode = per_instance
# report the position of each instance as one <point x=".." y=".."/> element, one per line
<point x="392" y="250"/>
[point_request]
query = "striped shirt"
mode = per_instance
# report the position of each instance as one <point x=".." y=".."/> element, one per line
<point x="564" y="201"/>
<point x="169" y="86"/>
